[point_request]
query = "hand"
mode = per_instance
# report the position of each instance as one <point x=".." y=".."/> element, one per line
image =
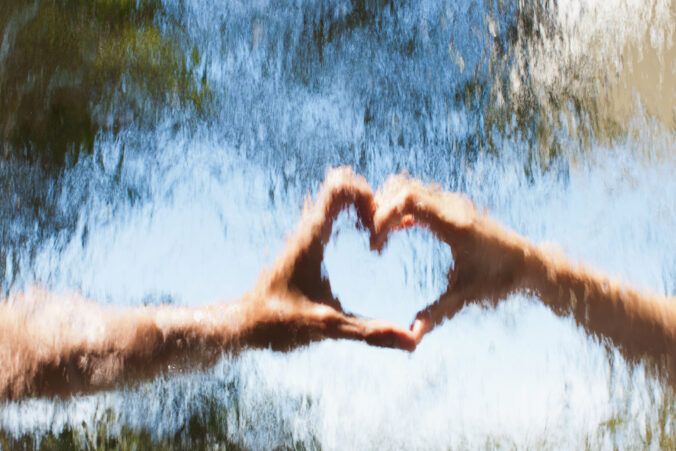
<point x="292" y="304"/>
<point x="488" y="260"/>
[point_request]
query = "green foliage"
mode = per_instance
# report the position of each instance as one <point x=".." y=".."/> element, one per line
<point x="207" y="428"/>
<point x="202" y="431"/>
<point x="69" y="68"/>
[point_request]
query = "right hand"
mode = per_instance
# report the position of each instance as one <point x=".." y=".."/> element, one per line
<point x="489" y="261"/>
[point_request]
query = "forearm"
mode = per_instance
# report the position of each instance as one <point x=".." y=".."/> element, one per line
<point x="638" y="324"/>
<point x="65" y="346"/>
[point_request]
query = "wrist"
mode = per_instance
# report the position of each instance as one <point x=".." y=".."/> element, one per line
<point x="516" y="264"/>
<point x="547" y="271"/>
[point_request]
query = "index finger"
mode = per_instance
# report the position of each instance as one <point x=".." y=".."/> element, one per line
<point x="341" y="189"/>
<point x="403" y="202"/>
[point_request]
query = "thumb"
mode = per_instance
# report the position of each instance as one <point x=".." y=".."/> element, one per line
<point x="446" y="307"/>
<point x="384" y="334"/>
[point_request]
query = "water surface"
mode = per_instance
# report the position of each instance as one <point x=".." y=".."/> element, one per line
<point x="557" y="118"/>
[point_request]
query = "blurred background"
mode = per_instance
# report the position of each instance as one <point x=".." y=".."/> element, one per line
<point x="158" y="151"/>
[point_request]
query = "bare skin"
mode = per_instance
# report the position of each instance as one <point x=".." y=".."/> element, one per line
<point x="63" y="345"/>
<point x="52" y="345"/>
<point x="490" y="262"/>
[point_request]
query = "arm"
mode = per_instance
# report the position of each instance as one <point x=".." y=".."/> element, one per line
<point x="58" y="345"/>
<point x="52" y="345"/>
<point x="491" y="262"/>
<point x="639" y="324"/>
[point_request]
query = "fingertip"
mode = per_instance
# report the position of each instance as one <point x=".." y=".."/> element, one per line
<point x="407" y="343"/>
<point x="419" y="328"/>
<point x="376" y="243"/>
<point x="403" y="339"/>
<point x="398" y="340"/>
<point x="407" y="221"/>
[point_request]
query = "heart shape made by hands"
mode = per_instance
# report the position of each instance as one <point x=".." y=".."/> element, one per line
<point x="394" y="284"/>
<point x="399" y="204"/>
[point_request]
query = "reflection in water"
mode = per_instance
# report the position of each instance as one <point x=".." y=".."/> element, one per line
<point x="559" y="118"/>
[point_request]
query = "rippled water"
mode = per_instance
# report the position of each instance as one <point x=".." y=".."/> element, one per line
<point x="558" y="118"/>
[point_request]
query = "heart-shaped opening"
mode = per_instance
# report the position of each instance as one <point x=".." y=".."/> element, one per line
<point x="409" y="274"/>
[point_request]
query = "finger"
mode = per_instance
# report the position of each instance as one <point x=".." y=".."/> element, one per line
<point x="374" y="332"/>
<point x="420" y="327"/>
<point x="446" y="307"/>
<point x="393" y="203"/>
<point x="403" y="202"/>
<point x="341" y="189"/>
<point x="301" y="260"/>
<point x="395" y="222"/>
<point x="406" y="222"/>
<point x="388" y="335"/>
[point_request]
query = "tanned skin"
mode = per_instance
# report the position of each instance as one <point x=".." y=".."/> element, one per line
<point x="491" y="262"/>
<point x="66" y="345"/>
<point x="63" y="345"/>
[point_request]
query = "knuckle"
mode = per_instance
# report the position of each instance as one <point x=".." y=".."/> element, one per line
<point x="324" y="314"/>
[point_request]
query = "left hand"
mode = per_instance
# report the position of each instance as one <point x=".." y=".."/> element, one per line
<point x="292" y="304"/>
